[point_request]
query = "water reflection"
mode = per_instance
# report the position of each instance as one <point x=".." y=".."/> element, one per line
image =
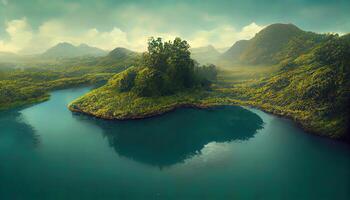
<point x="171" y="138"/>
<point x="15" y="134"/>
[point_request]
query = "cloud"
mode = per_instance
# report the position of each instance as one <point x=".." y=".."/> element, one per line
<point x="224" y="35"/>
<point x="20" y="35"/>
<point x="23" y="39"/>
<point x="52" y="32"/>
<point x="249" y="31"/>
<point x="106" y="40"/>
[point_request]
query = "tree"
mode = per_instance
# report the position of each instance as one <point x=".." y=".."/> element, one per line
<point x="126" y="82"/>
<point x="206" y="74"/>
<point x="148" y="83"/>
<point x="169" y="68"/>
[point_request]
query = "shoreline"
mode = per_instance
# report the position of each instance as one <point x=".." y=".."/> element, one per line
<point x="171" y="108"/>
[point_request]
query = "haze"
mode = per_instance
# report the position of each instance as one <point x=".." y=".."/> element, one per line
<point x="31" y="27"/>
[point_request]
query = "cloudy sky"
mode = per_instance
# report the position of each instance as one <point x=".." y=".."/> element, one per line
<point x="31" y="26"/>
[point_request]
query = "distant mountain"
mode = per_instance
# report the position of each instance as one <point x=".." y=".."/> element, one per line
<point x="204" y="55"/>
<point x="272" y="45"/>
<point x="119" y="56"/>
<point x="67" y="50"/>
<point x="235" y="51"/>
<point x="223" y="49"/>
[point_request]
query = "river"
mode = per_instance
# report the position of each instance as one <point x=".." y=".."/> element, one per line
<point x="47" y="152"/>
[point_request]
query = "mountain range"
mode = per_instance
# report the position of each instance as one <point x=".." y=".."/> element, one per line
<point x="67" y="50"/>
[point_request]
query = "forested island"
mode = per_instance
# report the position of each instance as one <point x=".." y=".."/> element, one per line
<point x="283" y="70"/>
<point x="166" y="78"/>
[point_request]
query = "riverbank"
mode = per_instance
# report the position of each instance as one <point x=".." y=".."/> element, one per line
<point x="112" y="105"/>
<point x="26" y="102"/>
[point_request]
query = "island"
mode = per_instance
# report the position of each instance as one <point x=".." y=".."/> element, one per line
<point x="166" y="78"/>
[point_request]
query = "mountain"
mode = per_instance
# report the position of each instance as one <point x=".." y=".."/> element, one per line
<point x="272" y="45"/>
<point x="223" y="49"/>
<point x="119" y="57"/>
<point x="204" y="55"/>
<point x="313" y="88"/>
<point x="313" y="80"/>
<point x="235" y="51"/>
<point x="67" y="50"/>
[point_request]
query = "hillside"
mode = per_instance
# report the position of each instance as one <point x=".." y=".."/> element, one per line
<point x="119" y="57"/>
<point x="233" y="54"/>
<point x="205" y="55"/>
<point x="67" y="50"/>
<point x="272" y="45"/>
<point x="115" y="101"/>
<point x="312" y="89"/>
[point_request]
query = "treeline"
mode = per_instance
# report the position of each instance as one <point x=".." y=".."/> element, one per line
<point x="166" y="68"/>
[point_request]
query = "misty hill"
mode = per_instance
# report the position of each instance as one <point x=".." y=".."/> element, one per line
<point x="67" y="50"/>
<point x="204" y="55"/>
<point x="233" y="54"/>
<point x="119" y="56"/>
<point x="272" y="45"/>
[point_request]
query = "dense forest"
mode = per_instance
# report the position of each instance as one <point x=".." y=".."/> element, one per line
<point x="166" y="68"/>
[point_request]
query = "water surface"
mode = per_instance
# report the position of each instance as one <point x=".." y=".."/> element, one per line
<point x="46" y="152"/>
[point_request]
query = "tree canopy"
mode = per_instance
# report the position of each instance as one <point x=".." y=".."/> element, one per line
<point x="167" y="67"/>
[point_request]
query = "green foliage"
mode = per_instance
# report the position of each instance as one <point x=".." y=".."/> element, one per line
<point x="148" y="82"/>
<point x="314" y="91"/>
<point x="168" y="78"/>
<point x="127" y="81"/>
<point x="168" y="69"/>
<point x="333" y="52"/>
<point x="171" y="63"/>
<point x="206" y="74"/>
<point x="20" y="87"/>
<point x="107" y="103"/>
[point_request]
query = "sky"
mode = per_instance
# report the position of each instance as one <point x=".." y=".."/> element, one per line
<point x="32" y="26"/>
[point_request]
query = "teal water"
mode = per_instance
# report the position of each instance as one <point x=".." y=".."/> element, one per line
<point x="46" y="152"/>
